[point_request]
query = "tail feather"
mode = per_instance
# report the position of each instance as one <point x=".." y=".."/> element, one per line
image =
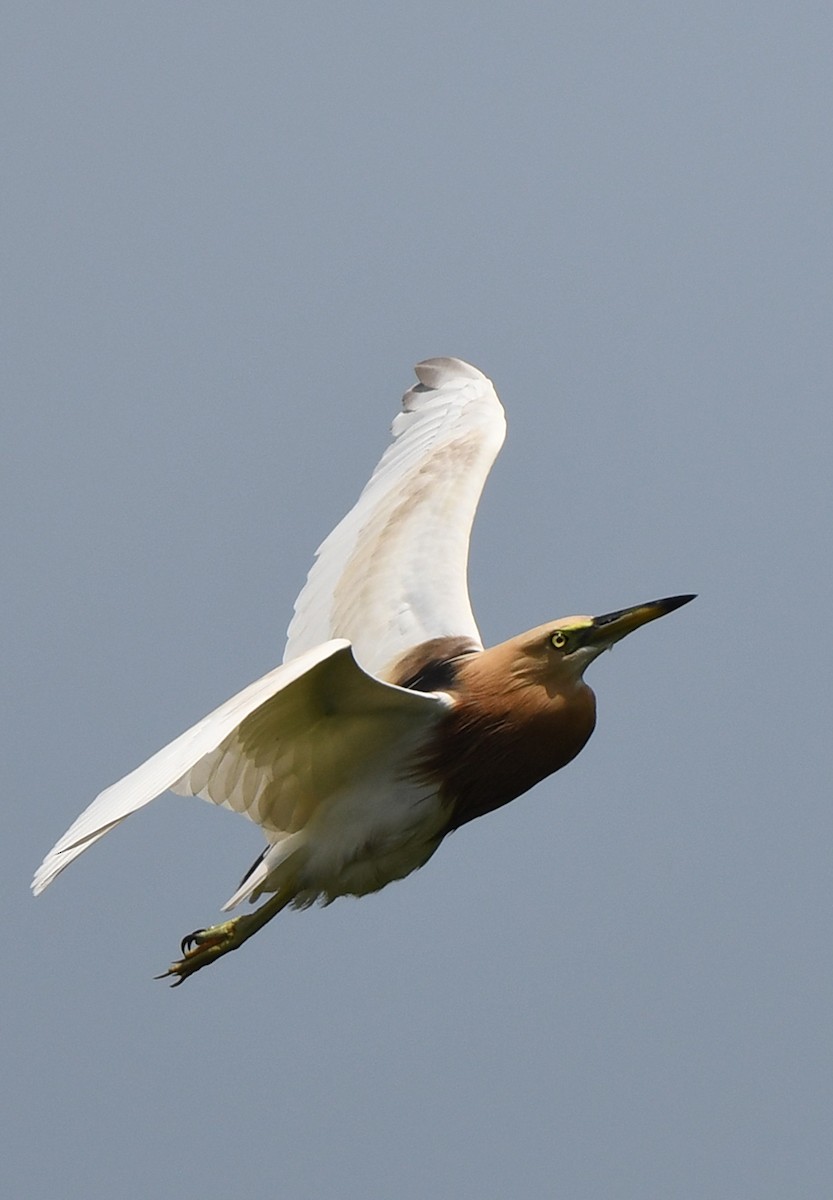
<point x="272" y="858"/>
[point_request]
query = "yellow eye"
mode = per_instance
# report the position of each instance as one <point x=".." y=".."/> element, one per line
<point x="559" y="639"/>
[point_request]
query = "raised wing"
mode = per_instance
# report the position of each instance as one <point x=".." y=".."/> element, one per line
<point x="272" y="752"/>
<point x="392" y="573"/>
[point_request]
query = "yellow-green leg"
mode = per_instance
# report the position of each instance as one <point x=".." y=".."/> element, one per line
<point x="205" y="946"/>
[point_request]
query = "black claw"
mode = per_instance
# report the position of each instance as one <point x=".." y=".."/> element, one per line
<point x="173" y="970"/>
<point x="190" y="940"/>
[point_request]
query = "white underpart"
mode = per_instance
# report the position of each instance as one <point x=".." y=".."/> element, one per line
<point x="375" y="829"/>
<point x="392" y="573"/>
<point x="319" y="752"/>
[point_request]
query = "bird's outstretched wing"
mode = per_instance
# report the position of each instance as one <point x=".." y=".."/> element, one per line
<point x="275" y="752"/>
<point x="392" y="573"/>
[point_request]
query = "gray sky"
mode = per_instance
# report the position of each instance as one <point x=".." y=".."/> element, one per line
<point x="231" y="231"/>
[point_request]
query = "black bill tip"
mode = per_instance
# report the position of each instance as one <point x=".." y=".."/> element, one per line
<point x="673" y="602"/>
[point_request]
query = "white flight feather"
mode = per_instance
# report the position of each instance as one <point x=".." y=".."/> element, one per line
<point x="274" y="752"/>
<point x="392" y="573"/>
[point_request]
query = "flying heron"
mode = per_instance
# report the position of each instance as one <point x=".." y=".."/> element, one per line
<point x="388" y="724"/>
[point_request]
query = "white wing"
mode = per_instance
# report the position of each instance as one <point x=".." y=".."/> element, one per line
<point x="274" y="752"/>
<point x="392" y="574"/>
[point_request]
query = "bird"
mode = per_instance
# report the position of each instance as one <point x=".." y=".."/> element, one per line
<point x="388" y="724"/>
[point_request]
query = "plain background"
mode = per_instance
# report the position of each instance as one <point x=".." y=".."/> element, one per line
<point x="230" y="230"/>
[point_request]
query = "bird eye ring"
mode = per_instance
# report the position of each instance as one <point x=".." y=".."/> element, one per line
<point x="559" y="639"/>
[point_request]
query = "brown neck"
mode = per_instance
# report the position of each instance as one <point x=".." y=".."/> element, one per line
<point x="499" y="742"/>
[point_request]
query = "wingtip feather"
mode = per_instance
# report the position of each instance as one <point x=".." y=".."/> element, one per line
<point x="438" y="372"/>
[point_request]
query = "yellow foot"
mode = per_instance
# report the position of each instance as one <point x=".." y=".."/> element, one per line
<point x="202" y="947"/>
